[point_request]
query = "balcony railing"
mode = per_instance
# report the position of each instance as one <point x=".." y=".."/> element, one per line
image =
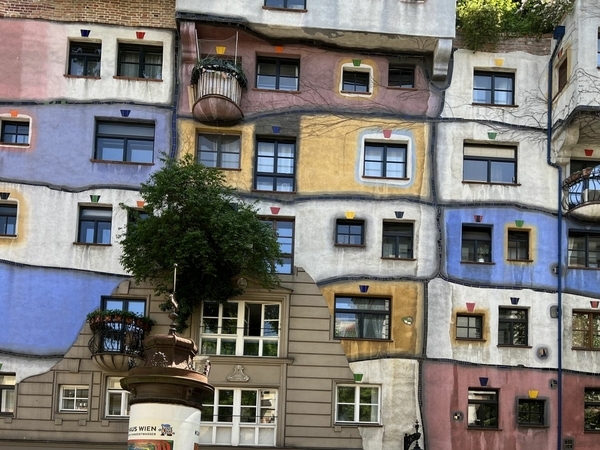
<point x="218" y="85"/>
<point x="581" y="193"/>
<point x="115" y="345"/>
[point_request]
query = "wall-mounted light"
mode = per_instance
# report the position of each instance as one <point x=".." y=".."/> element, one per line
<point x="588" y="151"/>
<point x="358" y="377"/>
<point x="125" y="112"/>
<point x="94" y="198"/>
<point x="387" y="134"/>
<point x="220" y="49"/>
<point x="4" y="195"/>
<point x="275" y="209"/>
<point x="356" y="62"/>
<point x="483" y="381"/>
<point x="278" y="48"/>
<point x="470" y="306"/>
<point x="140" y="203"/>
<point x="594" y="303"/>
<point x="478" y="218"/>
<point x="408" y="320"/>
<point x="457" y="415"/>
<point x="514" y="300"/>
<point x="492" y="135"/>
<point x="519" y="223"/>
<point x="85" y="33"/>
<point x="399" y="214"/>
<point x="276" y="129"/>
<point x="533" y="393"/>
<point x="364" y="288"/>
<point x="350" y="214"/>
<point x="140" y="34"/>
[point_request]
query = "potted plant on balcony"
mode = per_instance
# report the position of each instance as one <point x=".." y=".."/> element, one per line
<point x="226" y="66"/>
<point x="100" y="317"/>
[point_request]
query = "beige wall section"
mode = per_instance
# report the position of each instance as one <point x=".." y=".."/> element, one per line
<point x="406" y="301"/>
<point x="329" y="153"/>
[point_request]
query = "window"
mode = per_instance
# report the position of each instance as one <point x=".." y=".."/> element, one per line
<point x="278" y="74"/>
<point x="94" y="225"/>
<point x="357" y="404"/>
<point x="402" y="77"/>
<point x="7" y="393"/>
<point x="134" y="216"/>
<point x="586" y="330"/>
<point x="219" y="150"/>
<point x="74" y="398"/>
<point x="240" y="328"/>
<point x="469" y="327"/>
<point x="483" y="408"/>
<point x="512" y="326"/>
<point x="356" y="81"/>
<point x="134" y="305"/>
<point x="117" y="398"/>
<point x="518" y="245"/>
<point x="116" y="336"/>
<point x="385" y="160"/>
<point x="563" y="74"/>
<point x="287" y="4"/>
<point x="476" y="244"/>
<point x="591" y="412"/>
<point x="239" y="417"/>
<point x="362" y="318"/>
<point x="531" y="412"/>
<point x="275" y="161"/>
<point x="350" y="232"/>
<point x="140" y="61"/>
<point x="584" y="249"/>
<point x="15" y="132"/>
<point x="284" y="229"/>
<point x="124" y="141"/>
<point x="84" y="59"/>
<point x="491" y="88"/>
<point x="490" y="164"/>
<point x="8" y="219"/>
<point x="598" y="49"/>
<point x="397" y="240"/>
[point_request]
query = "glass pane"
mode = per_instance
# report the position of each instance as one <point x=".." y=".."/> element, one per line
<point x="368" y="413"/>
<point x="250" y="347"/>
<point x="227" y="347"/>
<point x="266" y="164"/>
<point x="247" y="436"/>
<point x="77" y="66"/>
<point x="474" y="170"/>
<point x="482" y="82"/>
<point x="140" y="151"/>
<point x="266" y="436"/>
<point x="109" y="149"/>
<point x="209" y="347"/>
<point x="346" y="325"/>
<point x="210" y="325"/>
<point x="86" y="232"/>
<point x="114" y="404"/>
<point x="103" y="233"/>
<point x="223" y="436"/>
<point x="270" y="348"/>
<point x="482" y="96"/>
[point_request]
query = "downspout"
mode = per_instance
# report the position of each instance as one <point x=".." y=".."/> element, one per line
<point x="559" y="32"/>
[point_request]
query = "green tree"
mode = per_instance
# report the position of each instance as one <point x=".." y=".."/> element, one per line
<point x="483" y="21"/>
<point x="195" y="221"/>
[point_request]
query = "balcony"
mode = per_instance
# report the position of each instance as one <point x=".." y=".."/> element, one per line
<point x="218" y="85"/>
<point x="117" y="340"/>
<point x="581" y="194"/>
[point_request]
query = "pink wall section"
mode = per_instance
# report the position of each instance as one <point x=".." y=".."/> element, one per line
<point x="445" y="391"/>
<point x="27" y="62"/>
<point x="320" y="71"/>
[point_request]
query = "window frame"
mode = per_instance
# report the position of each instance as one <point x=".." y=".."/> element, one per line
<point x="402" y="233"/>
<point x="360" y="315"/>
<point x="88" y="55"/>
<point x="141" y="50"/>
<point x="349" y="234"/>
<point x="562" y="75"/>
<point x="521" y="241"/>
<point x="356" y="404"/>
<point x="355" y="82"/>
<point x="285" y="5"/>
<point x="233" y="408"/>
<point x="492" y="405"/>
<point x="14" y="121"/>
<point x="492" y="90"/>
<point x="477" y="326"/>
<point x="219" y="152"/>
<point x="75" y="398"/>
<point x="479" y="244"/>
<point x="8" y="394"/>
<point x="588" y="332"/>
<point x="591" y="405"/>
<point x="96" y="222"/>
<point x="275" y="175"/>
<point x="120" y="392"/>
<point x="286" y="241"/>
<point x="126" y="140"/>
<point x="385" y="161"/>
<point x="245" y="320"/>
<point x="404" y="72"/>
<point x="542" y="413"/>
<point x="491" y="162"/>
<point x="278" y="77"/>
<point x="586" y="250"/>
<point x="5" y="217"/>
<point x="511" y="324"/>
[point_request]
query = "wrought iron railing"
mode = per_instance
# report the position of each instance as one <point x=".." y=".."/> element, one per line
<point x="582" y="188"/>
<point x="117" y="337"/>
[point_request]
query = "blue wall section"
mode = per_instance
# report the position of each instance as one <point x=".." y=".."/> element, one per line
<point x="62" y="145"/>
<point x="44" y="309"/>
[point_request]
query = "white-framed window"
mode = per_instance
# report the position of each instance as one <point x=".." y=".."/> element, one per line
<point x="357" y="404"/>
<point x="15" y="130"/>
<point x="386" y="158"/>
<point x="239" y="417"/>
<point x="7" y="393"/>
<point x="356" y="80"/>
<point x="117" y="398"/>
<point x="74" y="398"/>
<point x="240" y="328"/>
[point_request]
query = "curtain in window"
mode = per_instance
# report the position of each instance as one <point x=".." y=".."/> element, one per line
<point x="130" y="64"/>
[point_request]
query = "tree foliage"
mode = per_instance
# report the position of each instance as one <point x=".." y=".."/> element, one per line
<point x="485" y="22"/>
<point x="195" y="221"/>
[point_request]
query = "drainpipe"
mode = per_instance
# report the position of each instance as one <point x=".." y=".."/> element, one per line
<point x="559" y="33"/>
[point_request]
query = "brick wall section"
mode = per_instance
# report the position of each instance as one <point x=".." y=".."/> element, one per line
<point x="135" y="13"/>
<point x="535" y="45"/>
